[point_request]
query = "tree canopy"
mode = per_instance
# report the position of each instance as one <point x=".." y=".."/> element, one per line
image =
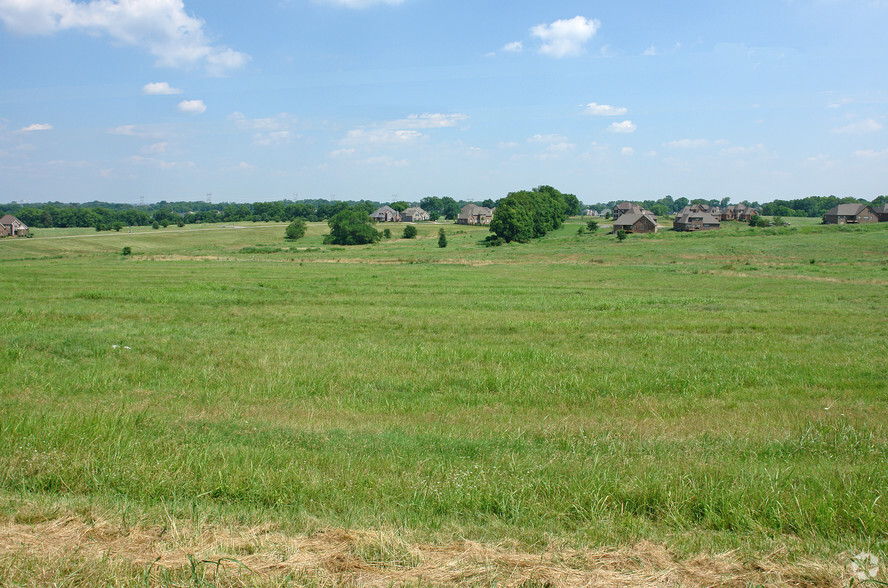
<point x="351" y="227"/>
<point x="522" y="216"/>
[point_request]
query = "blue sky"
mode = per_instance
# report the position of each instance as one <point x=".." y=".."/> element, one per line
<point x="122" y="100"/>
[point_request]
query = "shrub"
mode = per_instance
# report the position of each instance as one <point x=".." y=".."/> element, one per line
<point x="155" y="225"/>
<point x="621" y="235"/>
<point x="409" y="232"/>
<point x="295" y="230"/>
<point x="387" y="233"/>
<point x="351" y="226"/>
<point x="442" y="238"/>
<point x="126" y="250"/>
<point x="592" y="225"/>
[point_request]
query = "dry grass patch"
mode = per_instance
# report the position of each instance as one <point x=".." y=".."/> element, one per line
<point x="163" y="555"/>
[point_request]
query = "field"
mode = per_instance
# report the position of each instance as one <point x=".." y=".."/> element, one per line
<point x="225" y="407"/>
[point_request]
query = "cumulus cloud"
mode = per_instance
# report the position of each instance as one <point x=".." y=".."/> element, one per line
<point x="156" y="148"/>
<point x="159" y="89"/>
<point x="604" y="110"/>
<point x="162" y="27"/>
<point x="627" y="126"/>
<point x="514" y="47"/>
<point x="192" y="107"/>
<point x="427" y="121"/>
<point x="377" y="136"/>
<point x="564" y="38"/>
<point x="650" y="51"/>
<point x="36" y="127"/>
<point x="141" y="131"/>
<point x="627" y="151"/>
<point x="863" y="126"/>
<point x="871" y="154"/>
<point x="687" y="143"/>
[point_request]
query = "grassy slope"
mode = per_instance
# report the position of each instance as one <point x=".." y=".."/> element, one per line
<point x="710" y="391"/>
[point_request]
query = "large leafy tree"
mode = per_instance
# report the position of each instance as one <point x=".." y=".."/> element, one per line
<point x="351" y="227"/>
<point x="525" y="215"/>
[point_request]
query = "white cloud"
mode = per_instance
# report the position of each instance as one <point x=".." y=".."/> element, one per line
<point x="548" y="139"/>
<point x="856" y="128"/>
<point x="244" y="166"/>
<point x="155" y="149"/>
<point x="514" y="47"/>
<point x="604" y="110"/>
<point x="627" y="126"/>
<point x="650" y="51"/>
<point x="871" y="154"/>
<point x="141" y="131"/>
<point x="627" y="151"/>
<point x="508" y="144"/>
<point x="385" y="161"/>
<point x="192" y="107"/>
<point x="427" y="121"/>
<point x="36" y="127"/>
<point x="159" y="89"/>
<point x="160" y="164"/>
<point x="687" y="144"/>
<point x="162" y="27"/>
<point x="273" y="138"/>
<point x="342" y="152"/>
<point x="565" y="38"/>
<point x="376" y="136"/>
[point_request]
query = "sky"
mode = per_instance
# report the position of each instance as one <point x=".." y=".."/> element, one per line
<point x="146" y="100"/>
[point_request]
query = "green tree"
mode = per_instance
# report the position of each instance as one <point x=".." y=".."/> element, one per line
<point x="351" y="227"/>
<point x="155" y="225"/>
<point x="400" y="205"/>
<point x="117" y="226"/>
<point x="296" y="229"/>
<point x="387" y="233"/>
<point x="127" y="250"/>
<point x="592" y="225"/>
<point x="409" y="232"/>
<point x="442" y="238"/>
<point x="621" y="235"/>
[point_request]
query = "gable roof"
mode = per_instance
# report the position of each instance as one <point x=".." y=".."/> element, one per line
<point x="687" y="214"/>
<point x="383" y="210"/>
<point x="470" y="210"/>
<point x="851" y="209"/>
<point x="8" y="219"/>
<point x="413" y="211"/>
<point x="630" y="218"/>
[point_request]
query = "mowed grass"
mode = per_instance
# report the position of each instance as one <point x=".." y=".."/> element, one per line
<point x="709" y="391"/>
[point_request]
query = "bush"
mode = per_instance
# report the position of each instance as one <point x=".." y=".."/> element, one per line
<point x="126" y="250"/>
<point x="387" y="233"/>
<point x="155" y="225"/>
<point x="351" y="226"/>
<point x="117" y="226"/>
<point x="295" y="230"/>
<point x="442" y="238"/>
<point x="592" y="225"/>
<point x="621" y="235"/>
<point x="409" y="232"/>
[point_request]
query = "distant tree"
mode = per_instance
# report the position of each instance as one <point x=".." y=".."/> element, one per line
<point x="165" y="223"/>
<point x="180" y="223"/>
<point x="155" y="225"/>
<point x="351" y="227"/>
<point x="489" y="203"/>
<point x="680" y="203"/>
<point x="607" y="214"/>
<point x="400" y="205"/>
<point x="724" y="202"/>
<point x="126" y="250"/>
<point x="387" y="233"/>
<point x="621" y="235"/>
<point x="117" y="226"/>
<point x="581" y="231"/>
<point x="295" y="230"/>
<point x="442" y="238"/>
<point x="409" y="232"/>
<point x="592" y="225"/>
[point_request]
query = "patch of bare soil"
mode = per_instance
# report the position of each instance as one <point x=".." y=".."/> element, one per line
<point x="357" y="558"/>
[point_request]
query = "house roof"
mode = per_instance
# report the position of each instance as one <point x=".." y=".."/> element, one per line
<point x="852" y="209"/>
<point x="470" y="210"/>
<point x="882" y="209"/>
<point x="413" y="211"/>
<point x="8" y="219"/>
<point x="383" y="210"/>
<point x="630" y="218"/>
<point x="686" y="215"/>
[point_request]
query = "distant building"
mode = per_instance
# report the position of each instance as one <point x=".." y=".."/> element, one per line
<point x="472" y="214"/>
<point x="851" y="214"/>
<point x="695" y="220"/>
<point x="636" y="222"/>
<point x="738" y="212"/>
<point x="591" y="212"/>
<point x="882" y="213"/>
<point x="626" y="208"/>
<point x="414" y="215"/>
<point x="10" y="226"/>
<point x="386" y="214"/>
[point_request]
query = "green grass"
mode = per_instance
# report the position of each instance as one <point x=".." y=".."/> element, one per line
<point x="709" y="391"/>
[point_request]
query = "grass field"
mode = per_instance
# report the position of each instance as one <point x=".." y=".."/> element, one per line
<point x="571" y="411"/>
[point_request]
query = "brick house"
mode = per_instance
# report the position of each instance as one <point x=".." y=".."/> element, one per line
<point x="10" y="226"/>
<point x="851" y="214"/>
<point x="636" y="222"/>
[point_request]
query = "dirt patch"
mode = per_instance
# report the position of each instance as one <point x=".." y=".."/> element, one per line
<point x="336" y="557"/>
